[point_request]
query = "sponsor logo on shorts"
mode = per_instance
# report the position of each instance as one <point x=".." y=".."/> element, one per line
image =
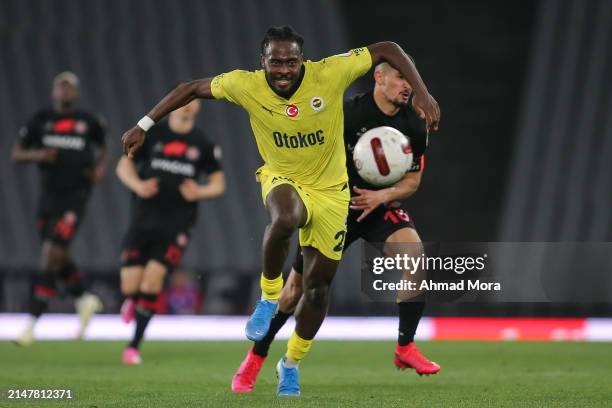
<point x="292" y="110"/>
<point x="173" y="255"/>
<point x="70" y="217"/>
<point x="182" y="239"/>
<point x="299" y="140"/>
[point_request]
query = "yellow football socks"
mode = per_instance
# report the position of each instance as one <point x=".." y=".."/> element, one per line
<point x="297" y="348"/>
<point x="271" y="288"/>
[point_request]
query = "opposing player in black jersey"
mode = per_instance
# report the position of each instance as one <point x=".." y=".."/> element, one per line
<point x="164" y="178"/>
<point x="68" y="146"/>
<point x="376" y="215"/>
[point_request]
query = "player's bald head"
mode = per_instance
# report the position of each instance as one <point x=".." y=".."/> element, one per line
<point x="383" y="67"/>
<point x="65" y="90"/>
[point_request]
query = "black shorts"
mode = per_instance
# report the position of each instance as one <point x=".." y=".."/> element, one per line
<point x="59" y="216"/>
<point x="164" y="245"/>
<point x="376" y="227"/>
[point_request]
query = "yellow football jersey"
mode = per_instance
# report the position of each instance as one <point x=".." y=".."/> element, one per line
<point x="300" y="138"/>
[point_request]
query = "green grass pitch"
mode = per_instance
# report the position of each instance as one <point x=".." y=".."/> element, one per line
<point x="335" y="374"/>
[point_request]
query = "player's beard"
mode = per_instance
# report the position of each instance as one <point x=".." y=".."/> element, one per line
<point x="400" y="103"/>
<point x="289" y="91"/>
<point x="66" y="105"/>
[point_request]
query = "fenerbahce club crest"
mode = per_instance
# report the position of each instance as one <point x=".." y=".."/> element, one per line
<point x="316" y="103"/>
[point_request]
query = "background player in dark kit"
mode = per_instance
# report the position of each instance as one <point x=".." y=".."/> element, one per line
<point x="377" y="215"/>
<point x="68" y="146"/>
<point x="164" y="178"/>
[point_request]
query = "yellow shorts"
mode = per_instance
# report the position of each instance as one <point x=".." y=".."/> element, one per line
<point x="325" y="227"/>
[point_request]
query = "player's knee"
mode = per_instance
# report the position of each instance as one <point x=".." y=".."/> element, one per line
<point x="318" y="295"/>
<point x="151" y="286"/>
<point x="153" y="279"/>
<point x="284" y="224"/>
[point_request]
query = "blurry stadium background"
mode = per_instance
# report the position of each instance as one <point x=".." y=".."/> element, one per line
<point x="524" y="152"/>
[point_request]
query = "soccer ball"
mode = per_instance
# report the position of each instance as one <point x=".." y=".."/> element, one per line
<point x="382" y="156"/>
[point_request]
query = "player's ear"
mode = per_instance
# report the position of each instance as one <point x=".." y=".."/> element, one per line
<point x="261" y="61"/>
<point x="378" y="76"/>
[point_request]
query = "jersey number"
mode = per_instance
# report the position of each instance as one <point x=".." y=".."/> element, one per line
<point x="340" y="237"/>
<point x="396" y="215"/>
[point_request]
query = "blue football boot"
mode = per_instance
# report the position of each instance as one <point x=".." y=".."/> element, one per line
<point x="259" y="323"/>
<point x="288" y="380"/>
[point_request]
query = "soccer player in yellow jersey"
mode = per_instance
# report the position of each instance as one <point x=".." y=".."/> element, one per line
<point x="295" y="110"/>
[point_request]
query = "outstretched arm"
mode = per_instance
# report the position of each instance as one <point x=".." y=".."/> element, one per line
<point x="423" y="102"/>
<point x="180" y="96"/>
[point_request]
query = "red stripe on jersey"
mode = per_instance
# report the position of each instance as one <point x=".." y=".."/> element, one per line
<point x="379" y="156"/>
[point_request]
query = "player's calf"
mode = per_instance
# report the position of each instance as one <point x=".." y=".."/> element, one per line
<point x="145" y="309"/>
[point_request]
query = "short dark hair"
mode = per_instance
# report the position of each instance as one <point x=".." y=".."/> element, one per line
<point x="281" y="33"/>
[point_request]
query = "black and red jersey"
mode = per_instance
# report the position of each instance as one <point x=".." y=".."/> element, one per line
<point x="171" y="158"/>
<point x="362" y="114"/>
<point x="75" y="135"/>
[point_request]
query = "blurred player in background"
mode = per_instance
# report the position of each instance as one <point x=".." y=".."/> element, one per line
<point x="295" y="110"/>
<point x="377" y="215"/>
<point x="164" y="179"/>
<point x="69" y="147"/>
